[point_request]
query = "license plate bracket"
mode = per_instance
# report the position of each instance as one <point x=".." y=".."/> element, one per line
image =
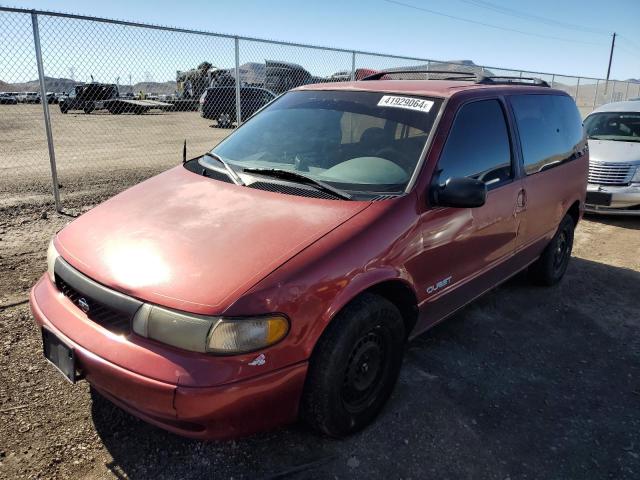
<point x="598" y="198"/>
<point x="60" y="355"/>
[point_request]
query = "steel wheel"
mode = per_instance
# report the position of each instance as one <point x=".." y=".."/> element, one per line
<point x="364" y="371"/>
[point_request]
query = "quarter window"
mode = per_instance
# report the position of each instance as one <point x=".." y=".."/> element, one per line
<point x="478" y="145"/>
<point x="550" y="130"/>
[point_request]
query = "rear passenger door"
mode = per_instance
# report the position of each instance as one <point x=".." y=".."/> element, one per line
<point x="465" y="245"/>
<point x="550" y="136"/>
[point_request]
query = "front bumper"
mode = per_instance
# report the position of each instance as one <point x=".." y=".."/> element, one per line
<point x="625" y="200"/>
<point x="226" y="411"/>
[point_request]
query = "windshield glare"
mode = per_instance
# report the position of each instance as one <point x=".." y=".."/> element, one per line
<point x="341" y="138"/>
<point x="622" y="126"/>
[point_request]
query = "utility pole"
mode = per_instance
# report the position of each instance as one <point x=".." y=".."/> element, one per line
<point x="613" y="44"/>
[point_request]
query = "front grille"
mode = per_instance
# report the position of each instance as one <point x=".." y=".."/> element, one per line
<point x="610" y="173"/>
<point x="103" y="315"/>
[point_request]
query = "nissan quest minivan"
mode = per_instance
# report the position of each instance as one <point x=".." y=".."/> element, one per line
<point x="280" y="275"/>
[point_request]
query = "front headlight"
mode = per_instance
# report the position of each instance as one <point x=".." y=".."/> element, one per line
<point x="636" y="176"/>
<point x="200" y="333"/>
<point x="52" y="255"/>
<point x="236" y="335"/>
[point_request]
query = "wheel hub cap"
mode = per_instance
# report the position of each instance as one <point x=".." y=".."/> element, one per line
<point x="364" y="369"/>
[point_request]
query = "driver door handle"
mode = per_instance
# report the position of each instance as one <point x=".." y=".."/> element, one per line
<point x="521" y="200"/>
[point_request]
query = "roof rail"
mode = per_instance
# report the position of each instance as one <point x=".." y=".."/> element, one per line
<point x="461" y="75"/>
<point x="466" y="76"/>
<point x="504" y="80"/>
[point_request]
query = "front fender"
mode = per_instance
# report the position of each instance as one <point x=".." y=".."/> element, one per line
<point x="315" y="285"/>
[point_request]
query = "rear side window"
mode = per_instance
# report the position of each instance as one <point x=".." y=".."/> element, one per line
<point x="478" y="145"/>
<point x="550" y="130"/>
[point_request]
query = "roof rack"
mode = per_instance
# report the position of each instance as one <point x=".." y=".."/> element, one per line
<point x="504" y="80"/>
<point x="467" y="76"/>
<point x="461" y="75"/>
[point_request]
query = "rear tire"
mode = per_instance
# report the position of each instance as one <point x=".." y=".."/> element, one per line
<point x="552" y="264"/>
<point x="354" y="367"/>
<point x="224" y="120"/>
<point x="88" y="108"/>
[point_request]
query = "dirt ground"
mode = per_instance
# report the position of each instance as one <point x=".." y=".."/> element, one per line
<point x="96" y="154"/>
<point x="526" y="382"/>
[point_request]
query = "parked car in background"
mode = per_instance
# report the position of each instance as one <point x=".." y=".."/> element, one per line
<point x="28" y="97"/>
<point x="281" y="274"/>
<point x="88" y="97"/>
<point x="52" y="97"/>
<point x="219" y="103"/>
<point x="614" y="169"/>
<point x="283" y="76"/>
<point x="7" y="99"/>
<point x="345" y="75"/>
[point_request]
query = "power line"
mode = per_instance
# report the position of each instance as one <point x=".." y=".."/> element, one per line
<point x="536" y="18"/>
<point x="628" y="40"/>
<point x="628" y="51"/>
<point x="498" y="27"/>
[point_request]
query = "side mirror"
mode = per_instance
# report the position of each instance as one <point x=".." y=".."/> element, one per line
<point x="462" y="192"/>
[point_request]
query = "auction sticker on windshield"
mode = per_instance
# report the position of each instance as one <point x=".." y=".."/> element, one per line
<point x="410" y="103"/>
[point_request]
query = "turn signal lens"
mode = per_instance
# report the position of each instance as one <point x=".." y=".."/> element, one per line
<point x="636" y="176"/>
<point x="52" y="255"/>
<point x="231" y="336"/>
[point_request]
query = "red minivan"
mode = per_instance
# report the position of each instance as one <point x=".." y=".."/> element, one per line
<point x="280" y="275"/>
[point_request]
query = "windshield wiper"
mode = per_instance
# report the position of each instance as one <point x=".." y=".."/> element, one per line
<point x="300" y="178"/>
<point x="230" y="171"/>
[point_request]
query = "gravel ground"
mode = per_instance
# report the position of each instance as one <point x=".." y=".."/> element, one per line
<point x="526" y="382"/>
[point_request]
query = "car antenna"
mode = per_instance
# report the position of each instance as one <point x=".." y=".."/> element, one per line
<point x="184" y="151"/>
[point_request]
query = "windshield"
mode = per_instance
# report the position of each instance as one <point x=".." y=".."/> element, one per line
<point x="621" y="126"/>
<point x="359" y="141"/>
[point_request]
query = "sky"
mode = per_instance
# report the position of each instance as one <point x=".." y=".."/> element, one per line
<point x="571" y="37"/>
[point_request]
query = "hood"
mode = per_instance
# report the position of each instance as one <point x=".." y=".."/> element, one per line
<point x="610" y="151"/>
<point x="193" y="243"/>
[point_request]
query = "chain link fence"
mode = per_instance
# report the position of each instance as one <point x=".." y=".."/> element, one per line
<point x="104" y="104"/>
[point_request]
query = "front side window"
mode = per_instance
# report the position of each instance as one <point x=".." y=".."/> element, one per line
<point x="350" y="140"/>
<point x="550" y="130"/>
<point x="478" y="145"/>
<point x="616" y="126"/>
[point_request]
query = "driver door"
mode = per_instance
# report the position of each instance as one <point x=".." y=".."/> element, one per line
<point x="466" y="250"/>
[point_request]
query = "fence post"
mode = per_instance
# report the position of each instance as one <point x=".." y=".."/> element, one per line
<point x="613" y="91"/>
<point x="353" y="66"/>
<point x="595" y="95"/>
<point x="238" y="103"/>
<point x="553" y="81"/>
<point x="45" y="112"/>
<point x="577" y="89"/>
<point x="626" y="93"/>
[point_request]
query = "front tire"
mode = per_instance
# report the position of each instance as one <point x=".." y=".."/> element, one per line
<point x="354" y="367"/>
<point x="552" y="264"/>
